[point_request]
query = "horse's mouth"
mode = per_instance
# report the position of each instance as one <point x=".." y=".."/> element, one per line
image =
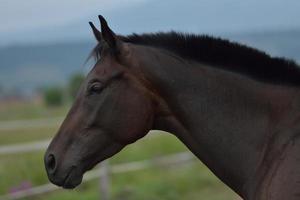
<point x="72" y="179"/>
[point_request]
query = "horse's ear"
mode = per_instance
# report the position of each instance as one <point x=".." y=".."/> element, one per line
<point x="96" y="32"/>
<point x="108" y="35"/>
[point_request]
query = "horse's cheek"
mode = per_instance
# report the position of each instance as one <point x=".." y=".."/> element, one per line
<point x="135" y="122"/>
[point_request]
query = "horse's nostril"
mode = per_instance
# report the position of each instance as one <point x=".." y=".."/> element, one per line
<point x="51" y="163"/>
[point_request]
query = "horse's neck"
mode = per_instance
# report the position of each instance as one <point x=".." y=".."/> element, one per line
<point x="222" y="117"/>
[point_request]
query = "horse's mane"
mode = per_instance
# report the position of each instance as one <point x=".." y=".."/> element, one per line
<point x="223" y="54"/>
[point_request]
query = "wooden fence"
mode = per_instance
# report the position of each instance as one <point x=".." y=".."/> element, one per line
<point x="103" y="171"/>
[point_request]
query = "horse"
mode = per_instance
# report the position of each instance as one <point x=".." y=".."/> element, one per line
<point x="236" y="108"/>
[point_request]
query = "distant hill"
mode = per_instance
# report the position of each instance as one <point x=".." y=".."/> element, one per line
<point x="279" y="43"/>
<point x="28" y="67"/>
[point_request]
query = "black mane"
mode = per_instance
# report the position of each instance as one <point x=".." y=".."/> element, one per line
<point x="223" y="54"/>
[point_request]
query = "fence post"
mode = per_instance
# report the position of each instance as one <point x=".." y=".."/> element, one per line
<point x="104" y="181"/>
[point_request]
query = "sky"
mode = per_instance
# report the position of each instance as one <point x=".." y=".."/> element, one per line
<point x="19" y="15"/>
<point x="33" y="21"/>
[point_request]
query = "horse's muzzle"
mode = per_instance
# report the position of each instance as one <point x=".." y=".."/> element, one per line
<point x="66" y="177"/>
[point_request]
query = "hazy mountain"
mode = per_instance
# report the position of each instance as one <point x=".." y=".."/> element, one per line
<point x="29" y="67"/>
<point x="279" y="43"/>
<point x="32" y="66"/>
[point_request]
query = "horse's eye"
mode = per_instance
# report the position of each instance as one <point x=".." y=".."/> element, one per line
<point x="95" y="87"/>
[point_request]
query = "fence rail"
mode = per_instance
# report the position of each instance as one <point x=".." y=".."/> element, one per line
<point x="24" y="147"/>
<point x="29" y="124"/>
<point x="33" y="146"/>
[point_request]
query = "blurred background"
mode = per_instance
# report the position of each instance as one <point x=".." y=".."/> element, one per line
<point x="43" y="48"/>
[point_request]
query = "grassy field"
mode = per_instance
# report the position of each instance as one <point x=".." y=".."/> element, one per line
<point x="189" y="181"/>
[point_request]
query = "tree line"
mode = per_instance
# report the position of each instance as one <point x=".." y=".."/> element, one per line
<point x="58" y="95"/>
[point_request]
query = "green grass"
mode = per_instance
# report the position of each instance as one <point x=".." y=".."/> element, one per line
<point x="26" y="135"/>
<point x="190" y="181"/>
<point x="30" y="111"/>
